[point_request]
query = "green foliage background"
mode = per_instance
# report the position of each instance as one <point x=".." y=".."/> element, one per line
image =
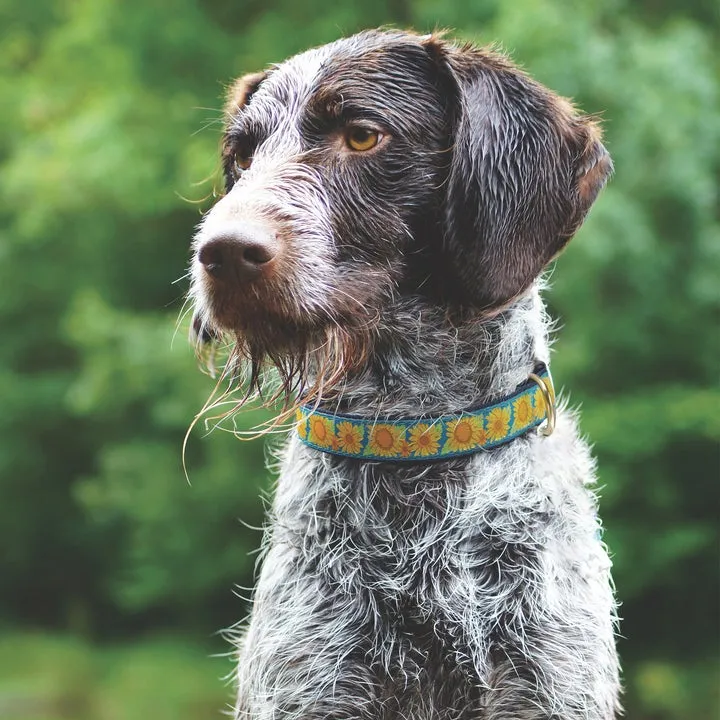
<point x="109" y="121"/>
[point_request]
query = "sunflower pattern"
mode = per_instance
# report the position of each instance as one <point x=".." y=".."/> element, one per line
<point x="464" y="434"/>
<point x="539" y="409"/>
<point x="427" y="439"/>
<point x="350" y="437"/>
<point x="385" y="440"/>
<point x="321" y="430"/>
<point x="301" y="425"/>
<point x="424" y="439"/>
<point x="523" y="412"/>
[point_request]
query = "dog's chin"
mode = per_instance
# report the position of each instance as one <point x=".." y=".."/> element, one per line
<point x="309" y="357"/>
<point x="268" y="332"/>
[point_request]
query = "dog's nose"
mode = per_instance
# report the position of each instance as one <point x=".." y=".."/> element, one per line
<point x="241" y="253"/>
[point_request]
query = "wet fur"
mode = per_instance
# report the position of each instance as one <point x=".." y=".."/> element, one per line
<point x="469" y="589"/>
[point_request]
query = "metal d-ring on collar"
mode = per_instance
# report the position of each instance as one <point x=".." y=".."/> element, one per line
<point x="548" y="392"/>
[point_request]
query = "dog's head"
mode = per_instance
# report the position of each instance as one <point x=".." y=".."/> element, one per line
<point x="380" y="164"/>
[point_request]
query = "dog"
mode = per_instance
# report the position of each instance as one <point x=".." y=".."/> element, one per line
<point x="392" y="200"/>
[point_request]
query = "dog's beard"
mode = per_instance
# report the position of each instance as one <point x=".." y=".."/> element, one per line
<point x="283" y="363"/>
<point x="277" y="351"/>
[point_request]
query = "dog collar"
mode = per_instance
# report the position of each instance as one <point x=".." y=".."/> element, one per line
<point x="531" y="404"/>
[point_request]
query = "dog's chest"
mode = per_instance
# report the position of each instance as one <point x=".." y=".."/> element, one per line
<point x="406" y="534"/>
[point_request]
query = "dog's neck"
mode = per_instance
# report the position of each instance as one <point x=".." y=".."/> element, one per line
<point x="423" y="362"/>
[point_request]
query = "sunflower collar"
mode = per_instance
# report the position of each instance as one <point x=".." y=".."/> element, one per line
<point x="529" y="406"/>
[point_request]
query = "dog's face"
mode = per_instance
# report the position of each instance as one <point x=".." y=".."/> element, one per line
<point x="380" y="164"/>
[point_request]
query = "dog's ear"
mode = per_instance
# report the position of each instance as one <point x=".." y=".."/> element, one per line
<point x="525" y="168"/>
<point x="239" y="92"/>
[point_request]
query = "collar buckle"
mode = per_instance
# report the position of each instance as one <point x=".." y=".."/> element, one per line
<point x="548" y="392"/>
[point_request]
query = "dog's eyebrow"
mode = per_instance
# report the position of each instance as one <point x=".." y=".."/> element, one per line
<point x="326" y="102"/>
<point x="238" y="136"/>
<point x="330" y="110"/>
<point x="245" y="127"/>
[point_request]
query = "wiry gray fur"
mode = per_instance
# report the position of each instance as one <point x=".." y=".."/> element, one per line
<point x="475" y="588"/>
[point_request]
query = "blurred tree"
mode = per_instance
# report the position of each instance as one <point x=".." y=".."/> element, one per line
<point x="109" y="116"/>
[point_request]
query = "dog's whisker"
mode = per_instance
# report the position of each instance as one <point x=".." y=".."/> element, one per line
<point x="207" y="124"/>
<point x="185" y="310"/>
<point x="185" y="276"/>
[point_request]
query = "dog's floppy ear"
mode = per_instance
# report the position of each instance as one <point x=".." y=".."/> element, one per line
<point x="524" y="170"/>
<point x="240" y="92"/>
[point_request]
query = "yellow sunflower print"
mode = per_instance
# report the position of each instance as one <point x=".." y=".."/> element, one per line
<point x="349" y="437"/>
<point x="301" y="424"/>
<point x="424" y="439"/>
<point x="498" y="423"/>
<point x="321" y="431"/>
<point x="523" y="409"/>
<point x="463" y="434"/>
<point x="540" y="409"/>
<point x="385" y="440"/>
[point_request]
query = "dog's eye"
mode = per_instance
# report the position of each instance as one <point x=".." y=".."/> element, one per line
<point x="361" y="139"/>
<point x="243" y="162"/>
<point x="243" y="150"/>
